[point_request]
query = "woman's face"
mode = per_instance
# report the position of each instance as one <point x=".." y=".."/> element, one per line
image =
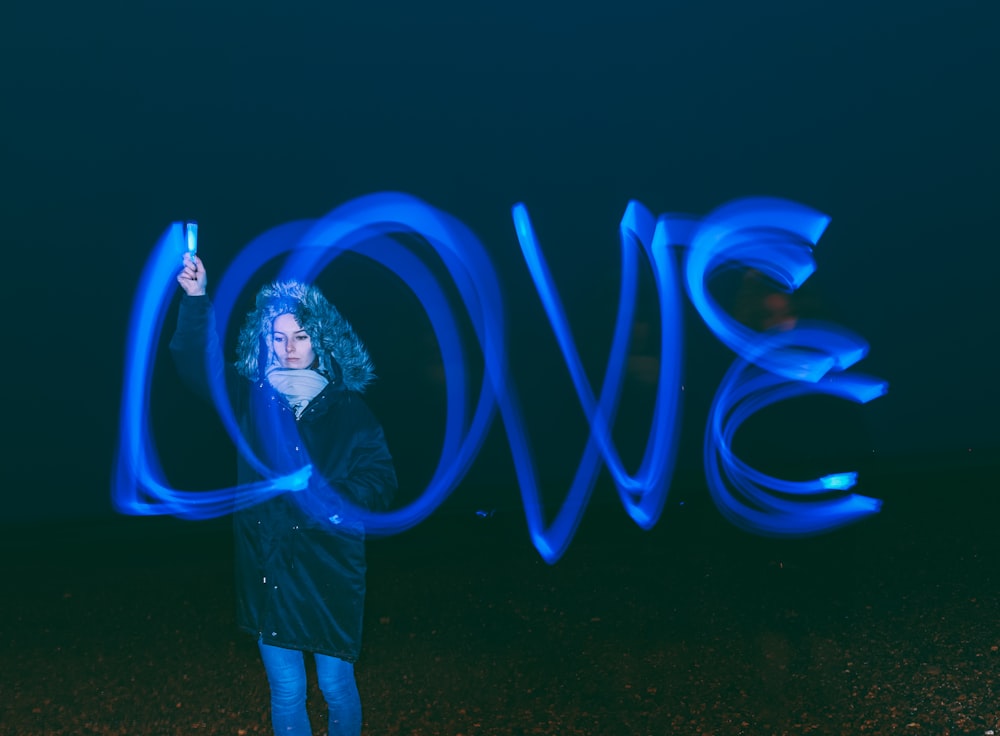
<point x="291" y="344"/>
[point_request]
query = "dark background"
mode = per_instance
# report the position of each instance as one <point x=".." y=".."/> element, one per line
<point x="120" y="118"/>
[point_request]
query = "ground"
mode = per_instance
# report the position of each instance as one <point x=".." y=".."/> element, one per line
<point x="695" y="627"/>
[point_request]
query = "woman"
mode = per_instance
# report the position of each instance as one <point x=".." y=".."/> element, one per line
<point x="300" y="557"/>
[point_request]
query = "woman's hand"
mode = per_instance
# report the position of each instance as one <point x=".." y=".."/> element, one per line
<point x="192" y="277"/>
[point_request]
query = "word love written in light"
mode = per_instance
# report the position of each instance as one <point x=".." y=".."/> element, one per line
<point x="775" y="237"/>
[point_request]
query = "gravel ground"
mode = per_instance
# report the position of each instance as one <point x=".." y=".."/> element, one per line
<point x="888" y="627"/>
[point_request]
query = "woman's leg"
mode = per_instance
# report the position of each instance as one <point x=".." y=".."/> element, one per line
<point x="336" y="681"/>
<point x="286" y="674"/>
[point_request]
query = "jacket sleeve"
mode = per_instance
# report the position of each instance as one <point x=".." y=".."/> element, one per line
<point x="362" y="473"/>
<point x="371" y="480"/>
<point x="195" y="345"/>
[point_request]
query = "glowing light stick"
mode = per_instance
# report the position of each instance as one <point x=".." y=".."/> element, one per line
<point x="191" y="238"/>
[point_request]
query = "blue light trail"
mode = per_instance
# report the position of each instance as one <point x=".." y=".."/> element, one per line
<point x="773" y="236"/>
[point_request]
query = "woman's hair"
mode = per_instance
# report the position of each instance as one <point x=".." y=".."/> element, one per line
<point x="340" y="352"/>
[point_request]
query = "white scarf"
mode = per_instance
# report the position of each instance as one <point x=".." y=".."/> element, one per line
<point x="299" y="386"/>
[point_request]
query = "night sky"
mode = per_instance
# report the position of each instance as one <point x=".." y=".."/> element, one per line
<point x="120" y="118"/>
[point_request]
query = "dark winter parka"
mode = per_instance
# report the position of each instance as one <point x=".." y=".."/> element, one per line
<point x="300" y="557"/>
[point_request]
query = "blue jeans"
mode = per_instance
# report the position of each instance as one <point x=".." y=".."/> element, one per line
<point x="286" y="674"/>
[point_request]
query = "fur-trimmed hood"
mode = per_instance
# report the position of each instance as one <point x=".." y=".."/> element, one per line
<point x="340" y="351"/>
